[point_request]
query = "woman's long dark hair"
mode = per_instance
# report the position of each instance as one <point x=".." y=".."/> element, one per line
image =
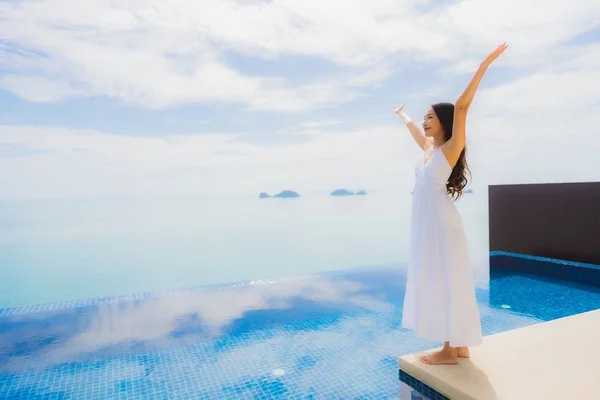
<point x="458" y="179"/>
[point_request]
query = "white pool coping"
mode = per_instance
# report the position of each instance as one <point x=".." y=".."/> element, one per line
<point x="559" y="359"/>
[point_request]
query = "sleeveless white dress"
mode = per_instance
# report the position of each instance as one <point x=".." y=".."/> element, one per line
<point x="439" y="304"/>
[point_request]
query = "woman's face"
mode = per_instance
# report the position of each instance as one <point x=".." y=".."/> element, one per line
<point x="431" y="124"/>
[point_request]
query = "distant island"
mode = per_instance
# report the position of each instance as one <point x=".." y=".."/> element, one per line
<point x="344" y="192"/>
<point x="290" y="194"/>
<point x="286" y="194"/>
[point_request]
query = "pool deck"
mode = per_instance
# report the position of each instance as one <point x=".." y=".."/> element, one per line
<point x="559" y="359"/>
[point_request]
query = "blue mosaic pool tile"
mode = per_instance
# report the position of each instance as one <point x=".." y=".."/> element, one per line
<point x="563" y="270"/>
<point x="333" y="336"/>
<point x="420" y="390"/>
<point x="548" y="261"/>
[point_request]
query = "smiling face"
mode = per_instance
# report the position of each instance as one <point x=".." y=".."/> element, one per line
<point x="431" y="125"/>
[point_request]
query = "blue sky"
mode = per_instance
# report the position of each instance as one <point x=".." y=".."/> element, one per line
<point x="189" y="97"/>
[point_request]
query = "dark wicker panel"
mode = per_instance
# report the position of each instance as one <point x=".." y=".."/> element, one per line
<point x="560" y="221"/>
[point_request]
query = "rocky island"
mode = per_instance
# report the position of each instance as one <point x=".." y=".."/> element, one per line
<point x="286" y="194"/>
<point x="344" y="192"/>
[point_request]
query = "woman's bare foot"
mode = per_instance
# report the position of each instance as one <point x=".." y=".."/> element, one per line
<point x="439" y="357"/>
<point x="448" y="355"/>
<point x="463" y="352"/>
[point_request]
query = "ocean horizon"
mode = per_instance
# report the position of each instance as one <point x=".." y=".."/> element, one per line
<point x="57" y="249"/>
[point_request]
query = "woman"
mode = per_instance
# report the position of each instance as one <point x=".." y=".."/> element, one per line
<point x="440" y="302"/>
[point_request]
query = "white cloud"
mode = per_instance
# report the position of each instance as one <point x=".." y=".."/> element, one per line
<point x="516" y="131"/>
<point x="92" y="163"/>
<point x="155" y="56"/>
<point x="160" y="54"/>
<point x="552" y="143"/>
<point x="164" y="53"/>
<point x="544" y="92"/>
<point x="312" y="128"/>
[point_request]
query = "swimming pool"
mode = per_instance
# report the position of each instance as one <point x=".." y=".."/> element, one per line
<point x="323" y="336"/>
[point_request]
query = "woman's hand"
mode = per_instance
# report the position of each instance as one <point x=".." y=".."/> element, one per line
<point x="494" y="54"/>
<point x="399" y="109"/>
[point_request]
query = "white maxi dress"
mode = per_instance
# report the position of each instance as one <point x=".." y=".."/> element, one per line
<point x="439" y="303"/>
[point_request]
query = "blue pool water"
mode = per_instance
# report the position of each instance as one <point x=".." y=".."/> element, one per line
<point x="327" y="336"/>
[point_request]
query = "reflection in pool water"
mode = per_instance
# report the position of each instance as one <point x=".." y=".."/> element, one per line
<point x="325" y="336"/>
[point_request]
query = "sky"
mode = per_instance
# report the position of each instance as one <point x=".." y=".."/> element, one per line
<point x="192" y="97"/>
